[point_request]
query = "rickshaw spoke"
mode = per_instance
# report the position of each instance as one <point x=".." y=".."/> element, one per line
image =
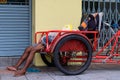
<point x="73" y="55"/>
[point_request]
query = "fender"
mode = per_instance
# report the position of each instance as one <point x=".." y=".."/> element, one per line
<point x="67" y="34"/>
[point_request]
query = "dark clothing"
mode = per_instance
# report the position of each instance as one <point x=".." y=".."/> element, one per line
<point x="91" y="22"/>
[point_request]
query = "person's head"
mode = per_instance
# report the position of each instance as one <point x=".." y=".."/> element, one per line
<point x="90" y="22"/>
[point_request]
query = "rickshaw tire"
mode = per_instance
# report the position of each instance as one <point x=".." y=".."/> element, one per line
<point x="56" y="55"/>
<point x="46" y="61"/>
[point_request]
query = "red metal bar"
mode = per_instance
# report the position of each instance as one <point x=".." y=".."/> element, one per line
<point x="60" y="32"/>
<point x="81" y="57"/>
<point x="95" y="43"/>
<point x="106" y="45"/>
<point x="77" y="61"/>
<point x="97" y="58"/>
<point x="100" y="57"/>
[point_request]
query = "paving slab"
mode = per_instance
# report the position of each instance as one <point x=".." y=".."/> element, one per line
<point x="38" y="76"/>
<point x="11" y="77"/>
<point x="95" y="72"/>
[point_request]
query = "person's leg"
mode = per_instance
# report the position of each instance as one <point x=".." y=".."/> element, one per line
<point x="29" y="59"/>
<point x="21" y="60"/>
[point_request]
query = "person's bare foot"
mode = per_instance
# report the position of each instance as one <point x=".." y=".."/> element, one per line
<point x="19" y="73"/>
<point x="11" y="68"/>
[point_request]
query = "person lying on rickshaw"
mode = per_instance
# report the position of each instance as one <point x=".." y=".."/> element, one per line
<point x="89" y="23"/>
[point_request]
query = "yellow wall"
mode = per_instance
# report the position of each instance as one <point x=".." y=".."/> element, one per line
<point x="54" y="14"/>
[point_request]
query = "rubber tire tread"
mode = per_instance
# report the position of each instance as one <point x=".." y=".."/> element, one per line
<point x="48" y="63"/>
<point x="56" y="54"/>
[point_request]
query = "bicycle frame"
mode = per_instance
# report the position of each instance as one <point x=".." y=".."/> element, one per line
<point x="109" y="58"/>
<point x="98" y="57"/>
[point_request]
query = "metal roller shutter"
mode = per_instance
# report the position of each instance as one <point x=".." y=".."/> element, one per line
<point x="15" y="33"/>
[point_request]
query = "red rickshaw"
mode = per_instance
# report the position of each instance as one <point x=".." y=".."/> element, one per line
<point x="72" y="51"/>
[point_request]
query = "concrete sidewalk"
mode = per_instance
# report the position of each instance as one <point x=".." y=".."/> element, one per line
<point x="95" y="72"/>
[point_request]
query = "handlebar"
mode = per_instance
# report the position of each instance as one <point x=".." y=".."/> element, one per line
<point x="107" y="24"/>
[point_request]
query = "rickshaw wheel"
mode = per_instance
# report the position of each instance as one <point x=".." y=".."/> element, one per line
<point x="73" y="54"/>
<point x="47" y="59"/>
